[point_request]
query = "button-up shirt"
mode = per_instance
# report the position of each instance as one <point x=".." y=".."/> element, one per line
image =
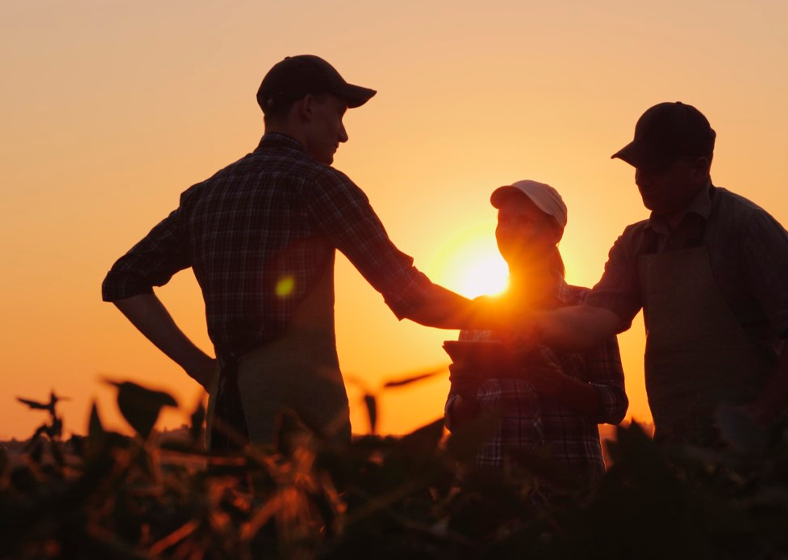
<point x="532" y="421"/>
<point x="748" y="255"/>
<point x="258" y="235"/>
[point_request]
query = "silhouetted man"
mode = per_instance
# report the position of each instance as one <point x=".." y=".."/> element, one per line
<point x="710" y="270"/>
<point x="261" y="236"/>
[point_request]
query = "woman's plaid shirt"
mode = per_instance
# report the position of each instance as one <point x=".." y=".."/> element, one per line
<point x="258" y="235"/>
<point x="534" y="422"/>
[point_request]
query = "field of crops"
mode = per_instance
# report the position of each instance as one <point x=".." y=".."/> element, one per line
<point x="110" y="496"/>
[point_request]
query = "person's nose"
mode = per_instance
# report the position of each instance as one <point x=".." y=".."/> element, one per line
<point x="343" y="137"/>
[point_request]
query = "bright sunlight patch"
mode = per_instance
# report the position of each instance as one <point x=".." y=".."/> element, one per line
<point x="470" y="264"/>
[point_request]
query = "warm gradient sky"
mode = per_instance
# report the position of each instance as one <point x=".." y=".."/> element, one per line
<point x="111" y="108"/>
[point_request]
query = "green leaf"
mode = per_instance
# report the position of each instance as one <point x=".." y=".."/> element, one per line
<point x="413" y="378"/>
<point x="33" y="405"/>
<point x="372" y="412"/>
<point x="95" y="428"/>
<point x="97" y="435"/>
<point x="140" y="406"/>
<point x="198" y="422"/>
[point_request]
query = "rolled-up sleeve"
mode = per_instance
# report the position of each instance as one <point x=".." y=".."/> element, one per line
<point x="151" y="262"/>
<point x="619" y="288"/>
<point x="344" y="215"/>
<point x="606" y="375"/>
<point x="765" y="254"/>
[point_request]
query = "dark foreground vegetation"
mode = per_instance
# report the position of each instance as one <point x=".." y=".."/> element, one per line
<point x="109" y="496"/>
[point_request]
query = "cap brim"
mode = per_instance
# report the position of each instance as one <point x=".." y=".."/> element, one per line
<point x="642" y="157"/>
<point x="355" y="96"/>
<point x="501" y="193"/>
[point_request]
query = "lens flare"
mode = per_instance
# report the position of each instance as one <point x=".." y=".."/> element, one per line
<point x="285" y="286"/>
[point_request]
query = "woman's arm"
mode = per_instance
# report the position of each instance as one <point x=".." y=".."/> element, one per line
<point x="550" y="381"/>
<point x="606" y="376"/>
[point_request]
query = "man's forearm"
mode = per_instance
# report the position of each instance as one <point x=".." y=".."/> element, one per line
<point x="582" y="397"/>
<point x="578" y="328"/>
<point x="148" y="314"/>
<point x="445" y="309"/>
<point x="575" y="329"/>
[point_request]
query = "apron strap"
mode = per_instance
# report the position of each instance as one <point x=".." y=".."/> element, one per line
<point x="228" y="428"/>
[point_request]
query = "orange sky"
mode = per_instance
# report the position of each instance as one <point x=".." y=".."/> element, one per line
<point x="111" y="109"/>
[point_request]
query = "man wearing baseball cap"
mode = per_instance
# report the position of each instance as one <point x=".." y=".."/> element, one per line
<point x="260" y="236"/>
<point x="710" y="270"/>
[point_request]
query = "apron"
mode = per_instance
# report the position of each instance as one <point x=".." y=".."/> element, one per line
<point x="297" y="371"/>
<point x="697" y="354"/>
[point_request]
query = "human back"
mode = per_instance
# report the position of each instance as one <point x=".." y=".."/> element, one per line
<point x="261" y="236"/>
<point x="257" y="247"/>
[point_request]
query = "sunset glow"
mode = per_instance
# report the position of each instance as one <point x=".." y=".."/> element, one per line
<point x="112" y="109"/>
<point x="470" y="264"/>
<point x="486" y="274"/>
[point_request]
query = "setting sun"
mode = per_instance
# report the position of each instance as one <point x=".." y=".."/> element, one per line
<point x="470" y="263"/>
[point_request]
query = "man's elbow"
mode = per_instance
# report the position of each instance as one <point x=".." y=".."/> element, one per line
<point x="616" y="413"/>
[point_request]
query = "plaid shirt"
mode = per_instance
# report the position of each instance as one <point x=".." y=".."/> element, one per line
<point x="258" y="235"/>
<point x="531" y="421"/>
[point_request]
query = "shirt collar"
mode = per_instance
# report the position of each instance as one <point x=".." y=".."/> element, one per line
<point x="280" y="140"/>
<point x="700" y="205"/>
<point x="561" y="290"/>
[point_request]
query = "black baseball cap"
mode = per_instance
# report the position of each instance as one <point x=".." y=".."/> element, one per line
<point x="666" y="132"/>
<point x="297" y="76"/>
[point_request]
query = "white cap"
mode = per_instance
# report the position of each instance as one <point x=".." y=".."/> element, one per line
<point x="544" y="196"/>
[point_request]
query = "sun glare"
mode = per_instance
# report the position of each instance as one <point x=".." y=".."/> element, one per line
<point x="470" y="264"/>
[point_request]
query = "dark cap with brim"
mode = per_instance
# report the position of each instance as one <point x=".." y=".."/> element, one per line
<point x="297" y="76"/>
<point x="665" y="133"/>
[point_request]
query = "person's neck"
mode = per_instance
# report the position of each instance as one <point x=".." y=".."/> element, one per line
<point x="290" y="131"/>
<point x="533" y="282"/>
<point x="673" y="219"/>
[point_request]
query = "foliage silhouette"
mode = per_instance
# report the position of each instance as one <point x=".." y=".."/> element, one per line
<point x="109" y="496"/>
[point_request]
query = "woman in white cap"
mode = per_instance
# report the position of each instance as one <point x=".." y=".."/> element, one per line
<point x="549" y="399"/>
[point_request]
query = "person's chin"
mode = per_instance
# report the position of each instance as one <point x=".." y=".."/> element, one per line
<point x="650" y="205"/>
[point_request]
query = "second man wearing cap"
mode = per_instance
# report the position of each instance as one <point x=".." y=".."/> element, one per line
<point x="710" y="270"/>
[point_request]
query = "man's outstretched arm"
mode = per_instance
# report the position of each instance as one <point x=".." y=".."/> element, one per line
<point x="444" y="309"/>
<point x="148" y="314"/>
<point x="578" y="328"/>
<point x="574" y="329"/>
